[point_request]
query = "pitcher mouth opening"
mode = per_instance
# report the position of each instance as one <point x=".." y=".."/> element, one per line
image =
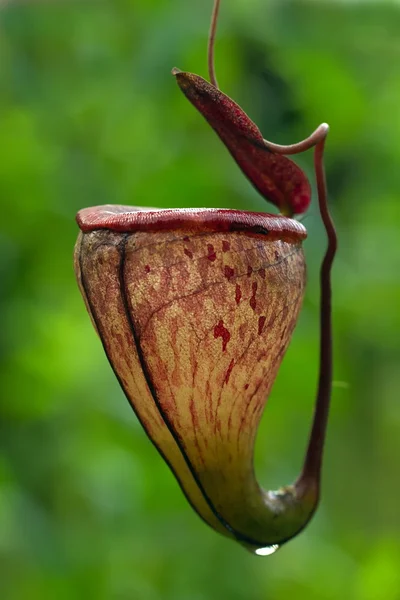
<point x="129" y="219"/>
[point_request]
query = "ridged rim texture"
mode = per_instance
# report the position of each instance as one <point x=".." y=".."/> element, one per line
<point x="129" y="219"/>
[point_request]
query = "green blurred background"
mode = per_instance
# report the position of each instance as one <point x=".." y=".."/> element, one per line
<point x="89" y="114"/>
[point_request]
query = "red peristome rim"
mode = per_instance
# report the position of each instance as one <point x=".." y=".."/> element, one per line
<point x="126" y="219"/>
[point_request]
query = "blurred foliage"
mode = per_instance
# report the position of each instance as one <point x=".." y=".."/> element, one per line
<point x="89" y="114"/>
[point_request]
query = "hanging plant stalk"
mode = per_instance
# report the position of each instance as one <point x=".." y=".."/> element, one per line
<point x="195" y="309"/>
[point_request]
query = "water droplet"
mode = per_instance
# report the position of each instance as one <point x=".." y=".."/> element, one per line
<point x="267" y="550"/>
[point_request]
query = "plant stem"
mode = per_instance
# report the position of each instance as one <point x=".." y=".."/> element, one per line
<point x="311" y="472"/>
<point x="211" y="43"/>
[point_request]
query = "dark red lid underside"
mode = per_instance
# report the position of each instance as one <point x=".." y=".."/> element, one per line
<point x="127" y="219"/>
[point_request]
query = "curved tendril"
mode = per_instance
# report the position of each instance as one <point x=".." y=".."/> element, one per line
<point x="211" y="44"/>
<point x="311" y="472"/>
<point x="313" y="460"/>
<point x="313" y="140"/>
